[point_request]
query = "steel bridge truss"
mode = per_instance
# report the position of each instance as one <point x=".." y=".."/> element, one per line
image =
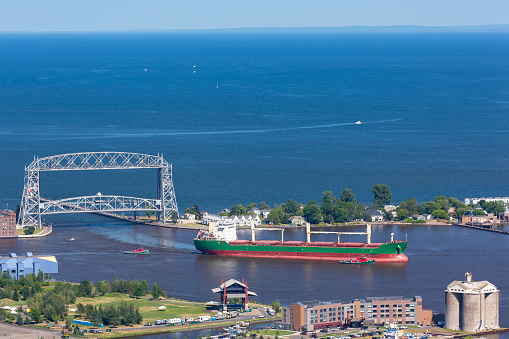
<point x="32" y="208"/>
<point x="99" y="203"/>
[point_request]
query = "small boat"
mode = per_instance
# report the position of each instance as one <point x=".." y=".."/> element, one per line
<point x="358" y="122"/>
<point x="138" y="251"/>
<point x="361" y="261"/>
<point x="72" y="239"/>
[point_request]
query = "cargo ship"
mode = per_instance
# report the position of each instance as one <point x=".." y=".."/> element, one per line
<point x="222" y="240"/>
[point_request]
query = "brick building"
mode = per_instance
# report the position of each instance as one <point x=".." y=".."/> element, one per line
<point x="7" y="224"/>
<point x="478" y="219"/>
<point x="374" y="310"/>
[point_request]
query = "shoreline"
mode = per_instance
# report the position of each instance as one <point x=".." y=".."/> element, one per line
<point x="47" y="230"/>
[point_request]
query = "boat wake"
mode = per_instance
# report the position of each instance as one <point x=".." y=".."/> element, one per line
<point x="199" y="133"/>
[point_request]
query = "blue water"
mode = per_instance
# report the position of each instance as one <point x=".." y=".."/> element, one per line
<point x="279" y="125"/>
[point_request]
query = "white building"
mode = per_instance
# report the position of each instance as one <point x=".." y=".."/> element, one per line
<point x="243" y="220"/>
<point x="474" y="201"/>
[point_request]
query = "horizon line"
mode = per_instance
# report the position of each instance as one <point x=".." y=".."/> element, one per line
<point x="269" y="29"/>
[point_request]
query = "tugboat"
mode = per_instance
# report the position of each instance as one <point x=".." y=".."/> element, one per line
<point x="138" y="251"/>
<point x="360" y="261"/>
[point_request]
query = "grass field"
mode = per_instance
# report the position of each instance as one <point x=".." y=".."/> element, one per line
<point x="272" y="332"/>
<point x="149" y="309"/>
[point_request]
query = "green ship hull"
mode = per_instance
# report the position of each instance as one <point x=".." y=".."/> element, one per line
<point x="386" y="252"/>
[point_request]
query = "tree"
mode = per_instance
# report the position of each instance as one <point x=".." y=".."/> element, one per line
<point x="347" y="195"/>
<point x="478" y="211"/>
<point x="460" y="211"/>
<point x="499" y="208"/>
<point x="251" y="206"/>
<point x="430" y="206"/>
<point x="443" y="202"/>
<point x="139" y="288"/>
<point x="291" y="207"/>
<point x="241" y="210"/>
<point x="495" y="207"/>
<point x="328" y="198"/>
<point x="19" y="319"/>
<point x="410" y="205"/>
<point x="81" y="309"/>
<point x="340" y="213"/>
<point x="402" y="214"/>
<point x="273" y="217"/>
<point x="102" y="287"/>
<point x="276" y="305"/>
<point x="15" y="295"/>
<point x="30" y="230"/>
<point x="97" y="318"/>
<point x="312" y="213"/>
<point x="382" y="195"/>
<point x="35" y="314"/>
<point x="193" y="210"/>
<point x="440" y="214"/>
<point x="68" y="322"/>
<point x="454" y="202"/>
<point x="156" y="291"/>
<point x="85" y="288"/>
<point x="263" y="206"/>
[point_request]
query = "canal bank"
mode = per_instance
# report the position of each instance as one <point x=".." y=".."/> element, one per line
<point x="187" y="274"/>
<point x="189" y="331"/>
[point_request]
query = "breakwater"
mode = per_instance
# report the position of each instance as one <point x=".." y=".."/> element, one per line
<point x="482" y="228"/>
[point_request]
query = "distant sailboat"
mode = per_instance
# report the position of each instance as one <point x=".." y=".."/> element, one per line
<point x="358" y="122"/>
<point x="217" y="86"/>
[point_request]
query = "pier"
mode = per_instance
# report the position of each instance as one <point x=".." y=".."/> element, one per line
<point x="482" y="228"/>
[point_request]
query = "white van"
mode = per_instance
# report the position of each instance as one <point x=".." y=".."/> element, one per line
<point x="175" y="321"/>
<point x="203" y="318"/>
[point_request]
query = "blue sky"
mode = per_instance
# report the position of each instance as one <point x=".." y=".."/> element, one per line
<point x="100" y="15"/>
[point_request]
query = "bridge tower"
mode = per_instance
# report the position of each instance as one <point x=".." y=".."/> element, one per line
<point x="32" y="208"/>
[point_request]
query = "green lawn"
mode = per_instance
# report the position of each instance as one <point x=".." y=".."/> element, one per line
<point x="149" y="309"/>
<point x="272" y="332"/>
<point x="10" y="302"/>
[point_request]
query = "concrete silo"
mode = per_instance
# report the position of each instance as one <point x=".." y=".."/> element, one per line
<point x="471" y="306"/>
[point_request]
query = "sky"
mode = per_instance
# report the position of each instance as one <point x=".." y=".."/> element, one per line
<point x="107" y="15"/>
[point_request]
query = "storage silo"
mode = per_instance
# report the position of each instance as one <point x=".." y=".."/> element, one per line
<point x="492" y="308"/>
<point x="472" y="315"/>
<point x="452" y="316"/>
<point x="471" y="306"/>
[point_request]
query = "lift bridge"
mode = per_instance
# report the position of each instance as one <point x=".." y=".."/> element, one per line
<point x="33" y="206"/>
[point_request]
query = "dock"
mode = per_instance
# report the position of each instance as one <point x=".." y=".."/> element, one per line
<point x="482" y="228"/>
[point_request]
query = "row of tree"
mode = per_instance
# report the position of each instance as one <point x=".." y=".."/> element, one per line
<point x="440" y="207"/>
<point x="342" y="209"/>
<point x="132" y="287"/>
<point x="125" y="314"/>
<point x="50" y="303"/>
<point x="346" y="208"/>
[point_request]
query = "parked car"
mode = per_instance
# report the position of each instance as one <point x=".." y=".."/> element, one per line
<point x="148" y="324"/>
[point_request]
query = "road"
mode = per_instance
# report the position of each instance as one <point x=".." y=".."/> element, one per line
<point x="14" y="331"/>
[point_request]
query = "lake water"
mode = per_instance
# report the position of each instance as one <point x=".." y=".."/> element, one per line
<point x="437" y="256"/>
<point x="253" y="117"/>
<point x="262" y="117"/>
